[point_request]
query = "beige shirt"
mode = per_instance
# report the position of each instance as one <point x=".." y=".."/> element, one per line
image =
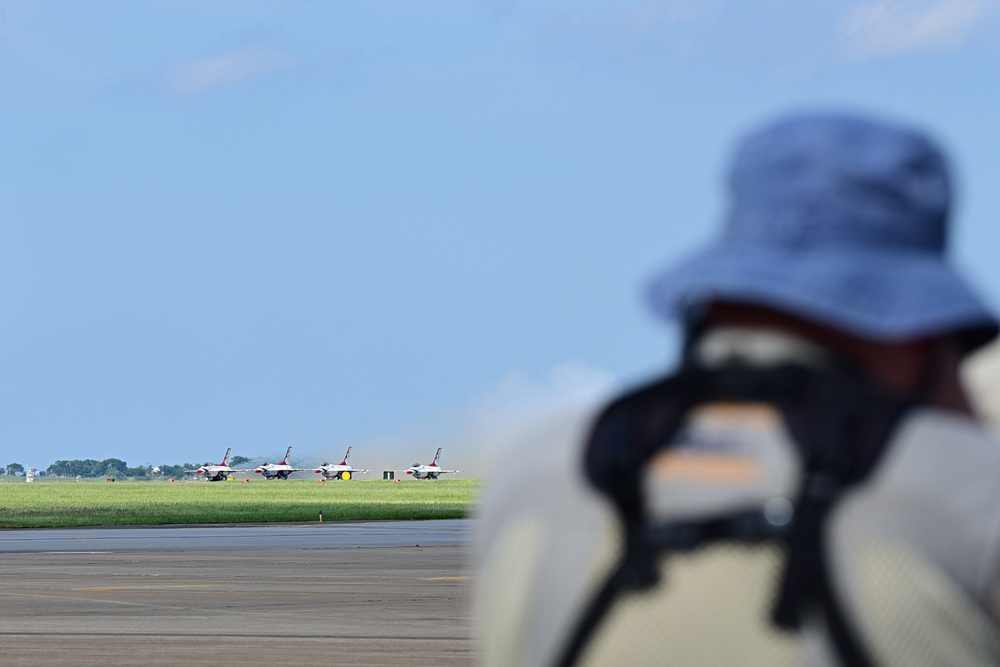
<point x="915" y="550"/>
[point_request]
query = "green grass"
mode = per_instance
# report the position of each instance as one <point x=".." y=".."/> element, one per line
<point x="54" y="504"/>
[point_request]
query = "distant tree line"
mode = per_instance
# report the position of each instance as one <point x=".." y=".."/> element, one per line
<point x="114" y="468"/>
<point x="12" y="469"/>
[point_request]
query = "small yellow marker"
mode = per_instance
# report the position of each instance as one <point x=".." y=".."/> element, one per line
<point x="321" y="516"/>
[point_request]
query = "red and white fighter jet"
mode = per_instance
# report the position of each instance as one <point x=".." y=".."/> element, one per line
<point x="278" y="470"/>
<point x="216" y="472"/>
<point x="342" y="470"/>
<point x="429" y="471"/>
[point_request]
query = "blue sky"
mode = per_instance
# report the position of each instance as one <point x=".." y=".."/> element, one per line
<point x="398" y="224"/>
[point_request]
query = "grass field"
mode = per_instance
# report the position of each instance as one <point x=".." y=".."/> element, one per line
<point x="51" y="504"/>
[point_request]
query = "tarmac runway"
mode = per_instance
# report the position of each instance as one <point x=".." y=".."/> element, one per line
<point x="334" y="593"/>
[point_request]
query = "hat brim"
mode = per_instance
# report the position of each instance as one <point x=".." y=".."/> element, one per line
<point x="882" y="294"/>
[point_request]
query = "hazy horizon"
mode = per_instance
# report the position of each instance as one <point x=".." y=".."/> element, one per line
<point x="398" y="226"/>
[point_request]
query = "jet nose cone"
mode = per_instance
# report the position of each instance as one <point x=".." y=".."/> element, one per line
<point x="200" y="471"/>
<point x="318" y="470"/>
<point x="258" y="470"/>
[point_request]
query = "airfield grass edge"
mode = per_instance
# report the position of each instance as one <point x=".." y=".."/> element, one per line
<point x="71" y="504"/>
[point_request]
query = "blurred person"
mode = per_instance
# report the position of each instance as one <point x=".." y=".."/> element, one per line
<point x="981" y="378"/>
<point x="810" y="486"/>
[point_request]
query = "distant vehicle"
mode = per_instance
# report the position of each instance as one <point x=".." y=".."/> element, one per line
<point x="342" y="470"/>
<point x="278" y="470"/>
<point x="216" y="472"/>
<point x="429" y="471"/>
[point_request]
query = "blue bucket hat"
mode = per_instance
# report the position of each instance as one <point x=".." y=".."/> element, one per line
<point x="841" y="220"/>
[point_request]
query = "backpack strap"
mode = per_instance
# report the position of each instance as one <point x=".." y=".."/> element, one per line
<point x="840" y="424"/>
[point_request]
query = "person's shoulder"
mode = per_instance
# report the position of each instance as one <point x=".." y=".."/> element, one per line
<point x="544" y="537"/>
<point x="541" y="474"/>
<point x="942" y="449"/>
<point x="949" y="432"/>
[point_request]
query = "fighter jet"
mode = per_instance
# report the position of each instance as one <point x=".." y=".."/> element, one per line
<point x="429" y="471"/>
<point x="278" y="470"/>
<point x="342" y="470"/>
<point x="216" y="472"/>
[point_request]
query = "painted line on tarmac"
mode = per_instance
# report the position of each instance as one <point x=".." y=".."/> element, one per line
<point x="153" y="587"/>
<point x="447" y="578"/>
<point x="49" y="596"/>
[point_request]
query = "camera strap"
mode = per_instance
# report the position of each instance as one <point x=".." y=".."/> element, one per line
<point x="840" y="423"/>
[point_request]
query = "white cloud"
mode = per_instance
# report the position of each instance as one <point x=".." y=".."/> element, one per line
<point x="887" y="28"/>
<point x="231" y="69"/>
<point x="498" y="10"/>
<point x="636" y="22"/>
<point x="564" y="385"/>
<point x="520" y="413"/>
<point x="630" y="32"/>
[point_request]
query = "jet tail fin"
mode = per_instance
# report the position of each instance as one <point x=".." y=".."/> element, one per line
<point x="288" y="453"/>
<point x="436" y="457"/>
<point x="347" y="457"/>
<point x="225" y="459"/>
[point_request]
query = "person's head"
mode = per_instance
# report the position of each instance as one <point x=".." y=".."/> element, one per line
<point x="837" y="230"/>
